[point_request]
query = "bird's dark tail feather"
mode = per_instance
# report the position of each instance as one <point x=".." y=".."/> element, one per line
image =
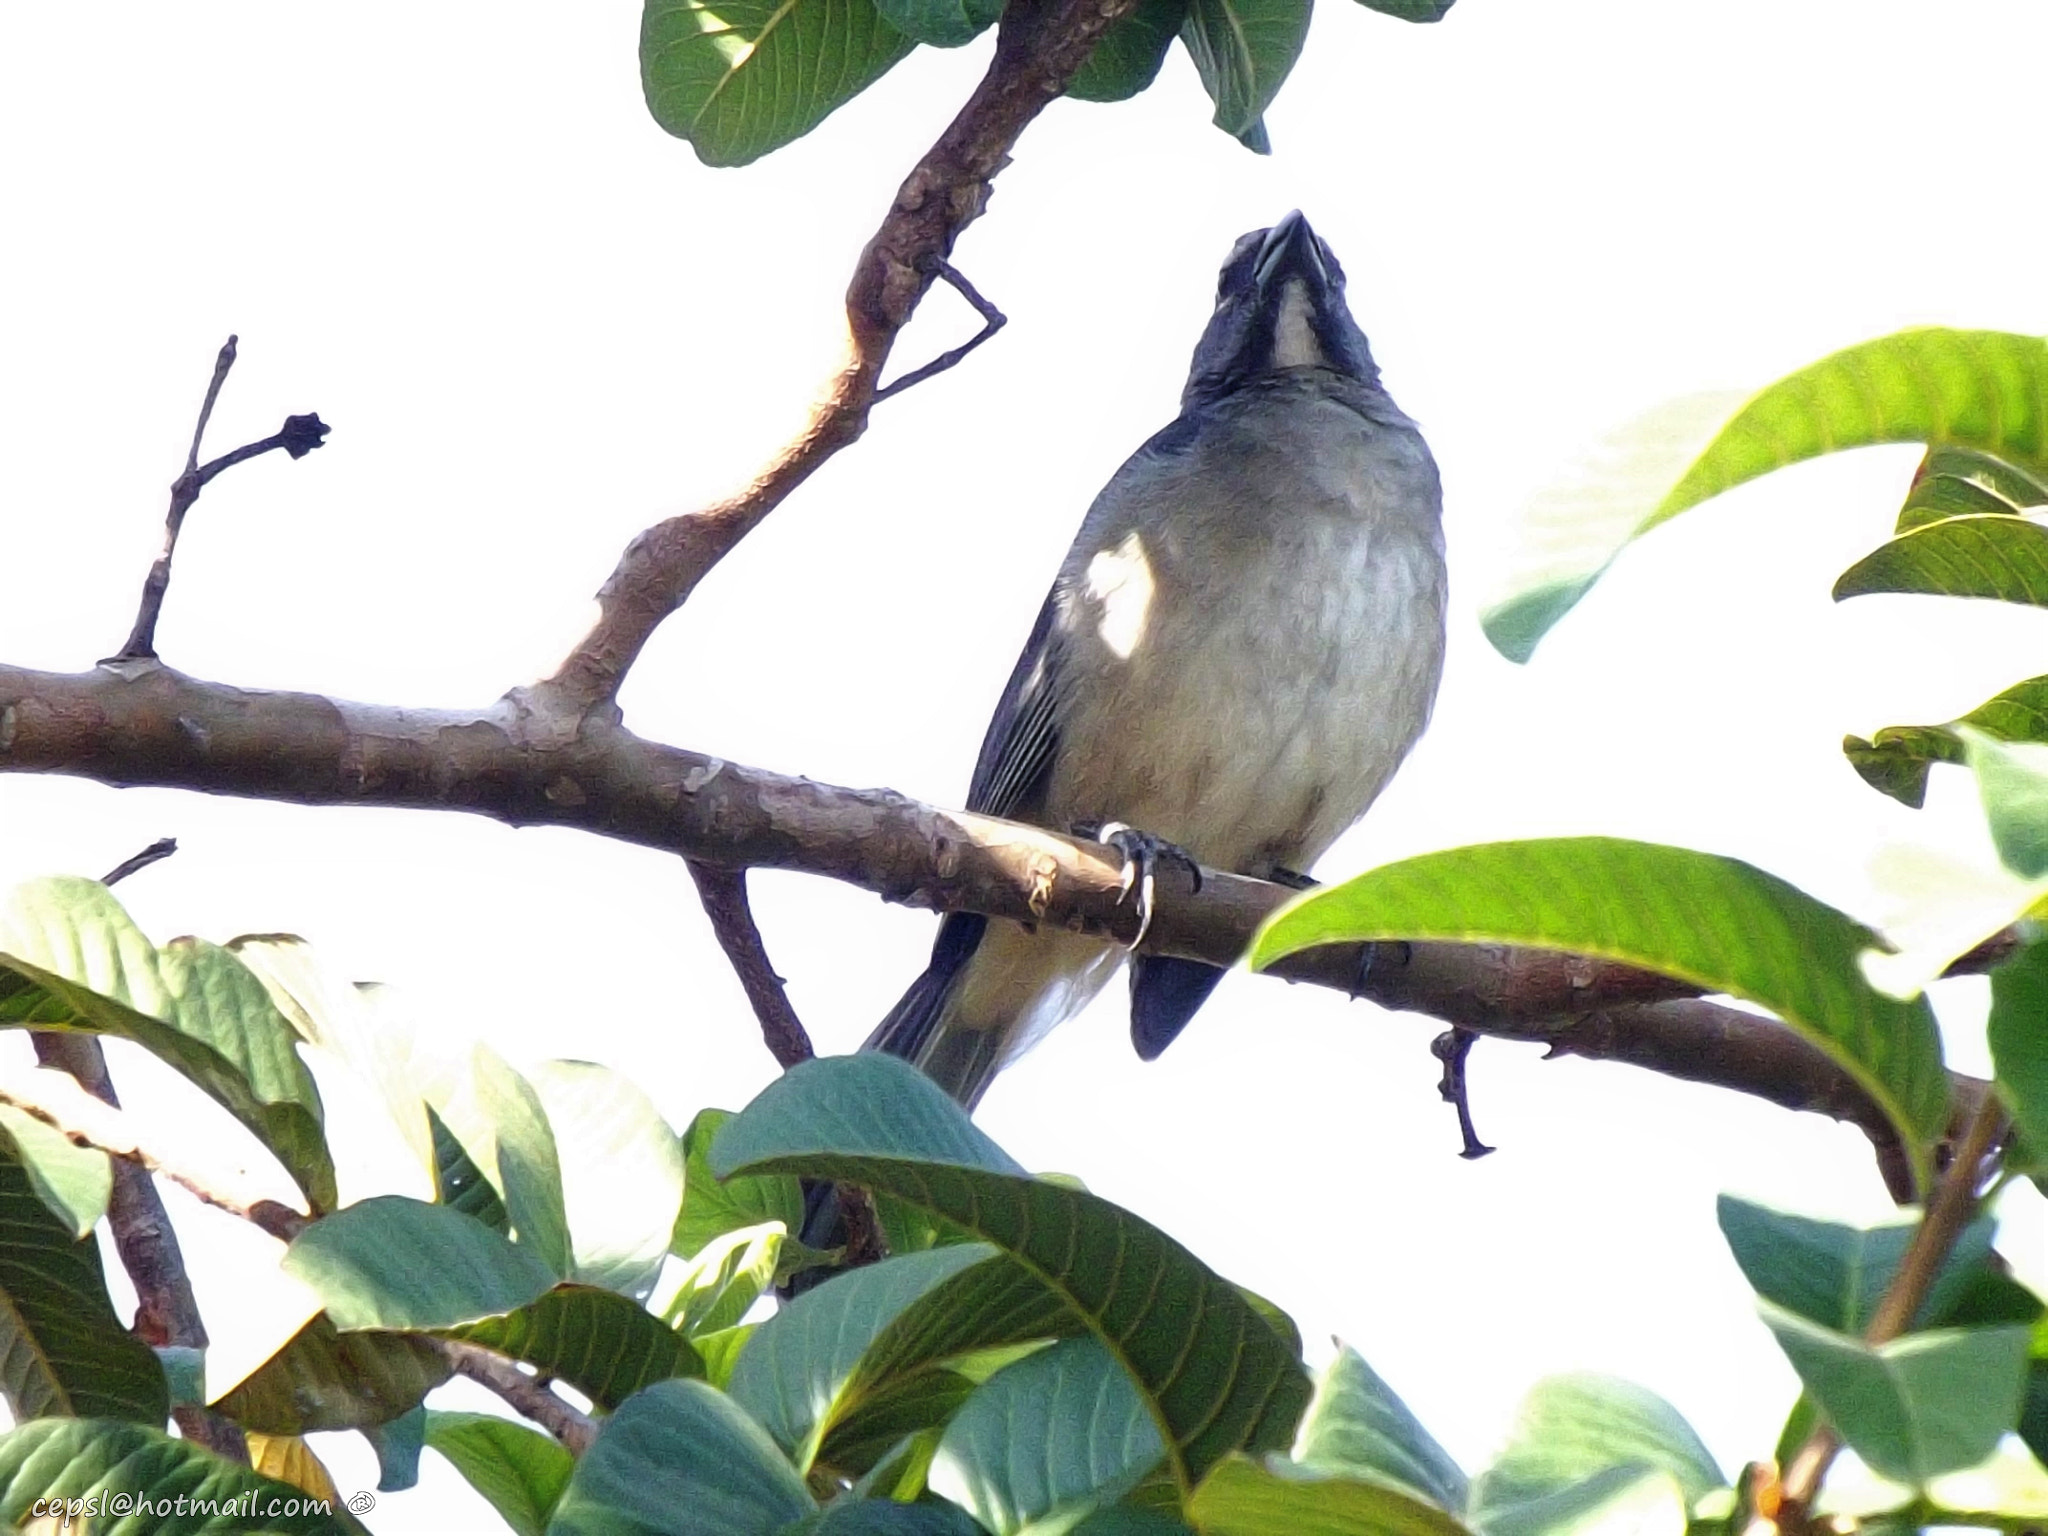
<point x="1165" y="992"/>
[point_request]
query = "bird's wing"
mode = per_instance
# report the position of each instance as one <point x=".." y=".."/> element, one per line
<point x="1017" y="752"/>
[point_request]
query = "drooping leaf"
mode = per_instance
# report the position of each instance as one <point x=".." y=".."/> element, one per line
<point x="942" y="23"/>
<point x="1832" y="1274"/>
<point x="711" y="1209"/>
<point x="622" y="1173"/>
<point x="62" y="1349"/>
<point x="1059" y="1432"/>
<point x="72" y="1182"/>
<point x="1717" y="922"/>
<point x="1239" y="1497"/>
<point x="1962" y="482"/>
<point x="1999" y="557"/>
<point x="397" y="1444"/>
<point x="2018" y="1031"/>
<point x="191" y="1004"/>
<point x="602" y="1344"/>
<point x="519" y="1472"/>
<point x="1128" y="57"/>
<point x="798" y="1376"/>
<point x="1357" y="1427"/>
<point x="1243" y="50"/>
<point x="200" y="1493"/>
<point x="390" y="1262"/>
<point x="743" y="77"/>
<point x="325" y="1379"/>
<point x="1971" y="389"/>
<point x="1921" y="1405"/>
<point x="681" y="1459"/>
<point x="1584" y="1443"/>
<point x="1897" y="758"/>
<point x="1214" y="1373"/>
<point x="2012" y="782"/>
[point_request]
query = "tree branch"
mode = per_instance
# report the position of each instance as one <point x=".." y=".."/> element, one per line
<point x="724" y="894"/>
<point x="530" y="1397"/>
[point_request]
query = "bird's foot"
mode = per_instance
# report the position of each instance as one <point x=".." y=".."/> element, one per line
<point x="1142" y="853"/>
<point x="1451" y="1048"/>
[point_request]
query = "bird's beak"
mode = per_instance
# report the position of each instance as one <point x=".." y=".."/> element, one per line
<point x="1290" y="249"/>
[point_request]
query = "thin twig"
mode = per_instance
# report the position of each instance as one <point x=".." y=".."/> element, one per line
<point x="724" y="894"/>
<point x="162" y="848"/>
<point x="1948" y="1213"/>
<point x="992" y="320"/>
<point x="573" y="1429"/>
<point x="299" y="436"/>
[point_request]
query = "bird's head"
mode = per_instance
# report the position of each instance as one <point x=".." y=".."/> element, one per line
<point x="1279" y="306"/>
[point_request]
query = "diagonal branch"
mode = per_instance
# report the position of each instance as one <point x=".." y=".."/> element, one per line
<point x="724" y="894"/>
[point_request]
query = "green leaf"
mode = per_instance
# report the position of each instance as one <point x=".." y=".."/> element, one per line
<point x="2018" y="1031"/>
<point x="1918" y="1406"/>
<point x="753" y="75"/>
<point x="1214" y="1373"/>
<point x="1834" y="1275"/>
<point x="884" y="1517"/>
<point x="1357" y="1427"/>
<point x="1717" y="922"/>
<point x="325" y="1379"/>
<point x="1998" y="557"/>
<point x="890" y="1420"/>
<point x="1410" y="10"/>
<point x="82" y="1458"/>
<point x="1241" y="1498"/>
<point x="72" y="1182"/>
<point x="1583" y="1445"/>
<point x="942" y="23"/>
<point x="681" y="1459"/>
<point x="390" y="1262"/>
<point x="604" y="1345"/>
<point x="62" y="1349"/>
<point x="497" y="1116"/>
<point x="1962" y="482"/>
<point x="718" y="1287"/>
<point x="720" y="1352"/>
<point x="1243" y="50"/>
<point x="2012" y="781"/>
<point x="1986" y="390"/>
<point x="711" y="1209"/>
<point x="520" y="1472"/>
<point x="1897" y="758"/>
<point x="459" y="1184"/>
<point x="622" y="1173"/>
<point x="397" y="1444"/>
<point x="1062" y="1431"/>
<point x="801" y="1372"/>
<point x="191" y="1004"/>
<point x="1128" y="57"/>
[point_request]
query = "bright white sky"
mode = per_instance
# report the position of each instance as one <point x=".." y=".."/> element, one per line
<point x="537" y="324"/>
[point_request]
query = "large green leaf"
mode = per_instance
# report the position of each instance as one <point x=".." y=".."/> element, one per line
<point x="604" y="1345"/>
<point x="1128" y="57"/>
<point x="73" y="1182"/>
<point x="1059" y="1432"/>
<point x="1717" y="922"/>
<point x="390" y="1262"/>
<point x="1357" y="1427"/>
<point x="1961" y="482"/>
<point x="1921" y="1405"/>
<point x="106" y="1461"/>
<point x="192" y="1004"/>
<point x="2012" y="782"/>
<point x="801" y="1371"/>
<point x="325" y="1379"/>
<point x="2018" y="1031"/>
<point x="1834" y="1275"/>
<point x="1896" y="760"/>
<point x="62" y="1349"/>
<point x="1584" y="1446"/>
<point x="711" y="1208"/>
<point x="497" y="1116"/>
<point x="743" y="77"/>
<point x="1998" y="557"/>
<point x="1986" y="390"/>
<point x="681" y="1459"/>
<point x="1239" y="1497"/>
<point x="622" y="1173"/>
<point x="520" y="1472"/>
<point x="1215" y="1375"/>
<point x="1243" y="50"/>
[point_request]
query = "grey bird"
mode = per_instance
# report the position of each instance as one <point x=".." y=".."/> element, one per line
<point x="1240" y="648"/>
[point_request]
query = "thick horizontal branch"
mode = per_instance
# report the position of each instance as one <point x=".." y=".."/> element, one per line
<point x="145" y="724"/>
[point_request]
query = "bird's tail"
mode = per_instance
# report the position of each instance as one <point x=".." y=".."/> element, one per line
<point x="963" y="1062"/>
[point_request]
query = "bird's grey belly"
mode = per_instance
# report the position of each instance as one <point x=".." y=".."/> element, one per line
<point x="1251" y="727"/>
